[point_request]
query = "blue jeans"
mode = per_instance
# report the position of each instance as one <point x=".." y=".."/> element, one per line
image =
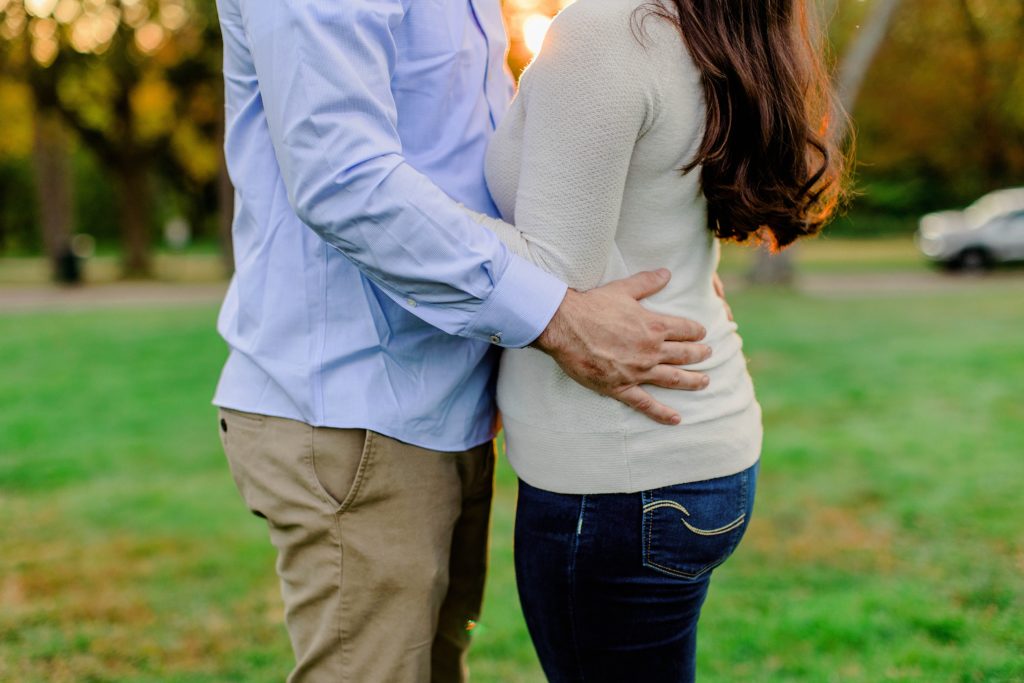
<point x="612" y="585"/>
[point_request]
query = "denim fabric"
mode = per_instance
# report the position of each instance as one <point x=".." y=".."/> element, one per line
<point x="612" y="585"/>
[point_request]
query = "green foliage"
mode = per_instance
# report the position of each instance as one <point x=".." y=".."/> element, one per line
<point x="18" y="217"/>
<point x="885" y="545"/>
<point x="940" y="121"/>
<point x="138" y="82"/>
<point x="941" y="111"/>
<point x="95" y="199"/>
<point x="16" y="113"/>
<point x="95" y="204"/>
<point x="131" y="78"/>
<point x="891" y="205"/>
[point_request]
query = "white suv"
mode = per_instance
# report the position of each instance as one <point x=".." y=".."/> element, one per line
<point x="989" y="231"/>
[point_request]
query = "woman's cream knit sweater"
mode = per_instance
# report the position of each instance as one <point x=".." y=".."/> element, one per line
<point x="586" y="167"/>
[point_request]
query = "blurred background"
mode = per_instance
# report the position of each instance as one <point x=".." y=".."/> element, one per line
<point x="888" y="354"/>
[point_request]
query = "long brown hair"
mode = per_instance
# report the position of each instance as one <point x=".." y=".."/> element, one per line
<point x="770" y="162"/>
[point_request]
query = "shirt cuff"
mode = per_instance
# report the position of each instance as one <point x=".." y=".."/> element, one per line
<point x="519" y="307"/>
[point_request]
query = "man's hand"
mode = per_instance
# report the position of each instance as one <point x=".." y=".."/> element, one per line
<point x="605" y="340"/>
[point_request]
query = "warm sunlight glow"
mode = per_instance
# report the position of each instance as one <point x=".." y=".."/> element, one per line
<point x="149" y="37"/>
<point x="67" y="11"/>
<point x="535" y="27"/>
<point x="40" y="8"/>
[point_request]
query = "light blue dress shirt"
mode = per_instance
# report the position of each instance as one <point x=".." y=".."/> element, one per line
<point x="363" y="296"/>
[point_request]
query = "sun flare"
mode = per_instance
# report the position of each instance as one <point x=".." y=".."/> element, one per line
<point x="535" y="27"/>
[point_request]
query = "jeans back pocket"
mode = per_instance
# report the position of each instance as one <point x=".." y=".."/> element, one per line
<point x="689" y="529"/>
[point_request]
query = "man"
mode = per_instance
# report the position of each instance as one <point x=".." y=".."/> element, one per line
<point x="366" y="313"/>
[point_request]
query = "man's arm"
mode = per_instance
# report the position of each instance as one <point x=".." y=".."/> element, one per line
<point x="324" y="71"/>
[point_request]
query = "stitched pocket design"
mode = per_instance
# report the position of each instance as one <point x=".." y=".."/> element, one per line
<point x="690" y="529"/>
<point x="650" y="507"/>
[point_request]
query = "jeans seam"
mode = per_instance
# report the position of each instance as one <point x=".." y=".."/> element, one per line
<point x="686" y="575"/>
<point x="572" y="588"/>
<point x="745" y="487"/>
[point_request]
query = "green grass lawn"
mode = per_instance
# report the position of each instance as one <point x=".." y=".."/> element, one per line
<point x="887" y="543"/>
<point x="827" y="254"/>
<point x="202" y="263"/>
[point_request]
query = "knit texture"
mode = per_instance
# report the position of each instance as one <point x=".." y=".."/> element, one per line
<point x="585" y="171"/>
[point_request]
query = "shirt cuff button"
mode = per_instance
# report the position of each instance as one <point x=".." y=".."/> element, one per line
<point x="411" y="302"/>
<point x="496" y="338"/>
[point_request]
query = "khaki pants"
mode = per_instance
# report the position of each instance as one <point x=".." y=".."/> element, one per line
<point x="382" y="546"/>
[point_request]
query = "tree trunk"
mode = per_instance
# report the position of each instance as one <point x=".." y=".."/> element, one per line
<point x="991" y="138"/>
<point x="52" y="169"/>
<point x="854" y="66"/>
<point x="772" y="269"/>
<point x="135" y="209"/>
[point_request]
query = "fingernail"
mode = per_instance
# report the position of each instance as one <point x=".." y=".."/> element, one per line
<point x="676" y="420"/>
<point x="663" y="272"/>
<point x="705" y="382"/>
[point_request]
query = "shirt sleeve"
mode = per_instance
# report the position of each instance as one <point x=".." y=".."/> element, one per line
<point x="324" y="71"/>
<point x="586" y="99"/>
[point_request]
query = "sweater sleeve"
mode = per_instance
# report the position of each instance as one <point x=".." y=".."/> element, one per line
<point x="588" y="98"/>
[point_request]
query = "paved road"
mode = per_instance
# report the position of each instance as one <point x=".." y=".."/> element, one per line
<point x="156" y="294"/>
<point x="117" y="295"/>
<point x="910" y="283"/>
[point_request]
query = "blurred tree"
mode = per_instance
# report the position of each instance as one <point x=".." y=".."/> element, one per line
<point x="997" y="47"/>
<point x="780" y="268"/>
<point x="859" y="55"/>
<point x="52" y="166"/>
<point x="941" y="119"/>
<point x="18" y="218"/>
<point x="137" y="81"/>
<point x="940" y="114"/>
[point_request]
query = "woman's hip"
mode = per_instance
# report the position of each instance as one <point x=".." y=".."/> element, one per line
<point x="612" y="584"/>
<point x="681" y="531"/>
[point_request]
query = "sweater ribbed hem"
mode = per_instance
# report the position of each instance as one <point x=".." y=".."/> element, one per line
<point x="631" y="461"/>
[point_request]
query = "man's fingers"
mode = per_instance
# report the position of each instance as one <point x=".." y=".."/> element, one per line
<point x="641" y="401"/>
<point x="680" y="329"/>
<point x="671" y="377"/>
<point x="683" y="353"/>
<point x="644" y="284"/>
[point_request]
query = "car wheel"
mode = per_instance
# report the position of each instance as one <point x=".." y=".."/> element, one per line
<point x="974" y="260"/>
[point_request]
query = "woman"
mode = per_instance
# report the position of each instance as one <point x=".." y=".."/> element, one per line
<point x="641" y="136"/>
